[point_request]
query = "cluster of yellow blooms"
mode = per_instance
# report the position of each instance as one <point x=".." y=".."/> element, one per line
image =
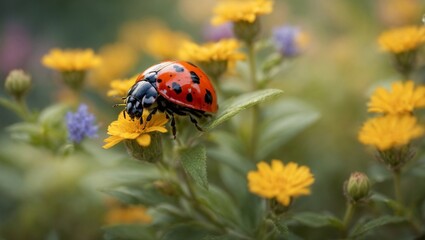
<point x="397" y="126"/>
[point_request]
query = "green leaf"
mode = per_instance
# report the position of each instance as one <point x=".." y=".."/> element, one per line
<point x="221" y="237"/>
<point x="286" y="119"/>
<point x="235" y="105"/>
<point x="365" y="227"/>
<point x="380" y="198"/>
<point x="53" y="114"/>
<point x="220" y="203"/>
<point x="147" y="195"/>
<point x="317" y="220"/>
<point x="129" y="232"/>
<point x="186" y="231"/>
<point x="194" y="162"/>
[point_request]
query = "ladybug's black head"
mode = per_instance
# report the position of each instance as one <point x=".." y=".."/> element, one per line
<point x="141" y="95"/>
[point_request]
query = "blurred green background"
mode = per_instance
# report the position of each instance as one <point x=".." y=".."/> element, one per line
<point x="43" y="197"/>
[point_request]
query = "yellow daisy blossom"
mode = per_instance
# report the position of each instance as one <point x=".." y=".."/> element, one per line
<point x="120" y="87"/>
<point x="390" y="131"/>
<point x="240" y="10"/>
<point x="214" y="57"/>
<point x="125" y="128"/>
<point x="280" y="181"/>
<point x="223" y="50"/>
<point x="157" y="43"/>
<point x="402" y="39"/>
<point x="127" y="215"/>
<point x="404" y="97"/>
<point x="71" y="59"/>
<point x="117" y="60"/>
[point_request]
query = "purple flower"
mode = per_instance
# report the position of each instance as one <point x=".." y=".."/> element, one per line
<point x="216" y="33"/>
<point x="289" y="40"/>
<point x="81" y="124"/>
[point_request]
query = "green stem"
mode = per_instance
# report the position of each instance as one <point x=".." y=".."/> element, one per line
<point x="196" y="203"/>
<point x="401" y="209"/>
<point x="24" y="109"/>
<point x="397" y="188"/>
<point x="348" y="215"/>
<point x="255" y="109"/>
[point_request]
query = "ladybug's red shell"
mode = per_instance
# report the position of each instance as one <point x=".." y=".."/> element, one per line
<point x="184" y="84"/>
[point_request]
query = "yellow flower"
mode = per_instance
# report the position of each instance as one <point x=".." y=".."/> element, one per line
<point x="402" y="39"/>
<point x="120" y="87"/>
<point x="280" y="181"/>
<point x="404" y="97"/>
<point x="240" y="10"/>
<point x="125" y="128"/>
<point x="71" y="59"/>
<point x="127" y="215"/>
<point x="390" y="131"/>
<point x="162" y="43"/>
<point x="117" y="60"/>
<point x="223" y="50"/>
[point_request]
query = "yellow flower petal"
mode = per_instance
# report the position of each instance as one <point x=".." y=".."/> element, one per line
<point x="71" y="59"/>
<point x="144" y="140"/>
<point x="390" y="131"/>
<point x="402" y="39"/>
<point x="112" y="141"/>
<point x="125" y="128"/>
<point x="240" y="10"/>
<point x="280" y="181"/>
<point x="403" y="98"/>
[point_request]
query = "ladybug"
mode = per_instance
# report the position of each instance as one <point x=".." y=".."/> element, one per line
<point x="172" y="87"/>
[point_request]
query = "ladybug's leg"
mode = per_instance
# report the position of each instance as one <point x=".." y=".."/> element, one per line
<point x="170" y="114"/>
<point x="173" y="125"/>
<point x="149" y="117"/>
<point x="193" y="120"/>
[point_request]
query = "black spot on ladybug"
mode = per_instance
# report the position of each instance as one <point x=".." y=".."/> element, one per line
<point x="189" y="97"/>
<point x="159" y="80"/>
<point x="208" y="97"/>
<point x="171" y="75"/>
<point x="178" y="68"/>
<point x="176" y="87"/>
<point x="194" y="77"/>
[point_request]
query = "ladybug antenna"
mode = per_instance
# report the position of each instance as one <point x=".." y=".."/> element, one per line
<point x="119" y="105"/>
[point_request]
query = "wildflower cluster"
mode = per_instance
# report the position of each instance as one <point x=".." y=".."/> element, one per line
<point x="392" y="132"/>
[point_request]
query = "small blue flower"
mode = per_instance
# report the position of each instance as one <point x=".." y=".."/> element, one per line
<point x="216" y="33"/>
<point x="289" y="40"/>
<point x="81" y="124"/>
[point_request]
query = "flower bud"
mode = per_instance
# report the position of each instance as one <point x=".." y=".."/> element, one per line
<point x="246" y="31"/>
<point x="357" y="187"/>
<point x="151" y="153"/>
<point x="17" y="83"/>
